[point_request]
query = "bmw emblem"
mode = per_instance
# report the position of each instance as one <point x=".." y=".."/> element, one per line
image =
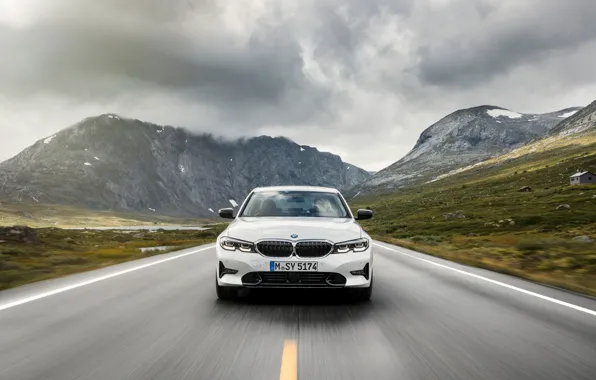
<point x="293" y="236"/>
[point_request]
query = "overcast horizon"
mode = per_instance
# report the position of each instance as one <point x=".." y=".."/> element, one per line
<point x="333" y="74"/>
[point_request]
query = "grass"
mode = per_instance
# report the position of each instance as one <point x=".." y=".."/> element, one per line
<point x="60" y="252"/>
<point x="478" y="216"/>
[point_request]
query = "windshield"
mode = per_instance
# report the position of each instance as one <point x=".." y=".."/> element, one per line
<point x="296" y="203"/>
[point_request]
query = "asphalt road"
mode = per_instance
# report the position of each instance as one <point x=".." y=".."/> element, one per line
<point x="158" y="318"/>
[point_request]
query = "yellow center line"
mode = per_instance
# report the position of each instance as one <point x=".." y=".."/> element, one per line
<point x="289" y="361"/>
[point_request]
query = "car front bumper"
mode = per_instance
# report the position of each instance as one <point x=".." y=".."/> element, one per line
<point x="251" y="267"/>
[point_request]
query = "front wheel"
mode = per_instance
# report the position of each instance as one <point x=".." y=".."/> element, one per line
<point x="362" y="294"/>
<point x="223" y="292"/>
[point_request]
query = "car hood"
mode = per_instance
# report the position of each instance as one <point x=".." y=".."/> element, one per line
<point x="335" y="230"/>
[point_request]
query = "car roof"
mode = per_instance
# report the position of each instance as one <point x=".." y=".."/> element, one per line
<point x="297" y="188"/>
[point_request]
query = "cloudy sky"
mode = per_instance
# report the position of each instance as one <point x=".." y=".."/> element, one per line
<point x="360" y="78"/>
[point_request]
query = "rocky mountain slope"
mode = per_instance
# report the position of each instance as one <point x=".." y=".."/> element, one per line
<point x="580" y="122"/>
<point x="111" y="162"/>
<point x="576" y="132"/>
<point x="462" y="138"/>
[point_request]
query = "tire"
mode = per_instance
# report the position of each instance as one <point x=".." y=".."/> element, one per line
<point x="362" y="294"/>
<point x="224" y="292"/>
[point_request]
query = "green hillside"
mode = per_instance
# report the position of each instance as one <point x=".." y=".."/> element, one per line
<point x="479" y="216"/>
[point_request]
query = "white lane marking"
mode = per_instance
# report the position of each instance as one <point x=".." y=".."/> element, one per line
<point x="97" y="279"/>
<point x="553" y="300"/>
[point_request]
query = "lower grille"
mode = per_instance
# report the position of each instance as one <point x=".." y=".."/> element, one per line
<point x="295" y="279"/>
<point x="275" y="248"/>
<point x="313" y="248"/>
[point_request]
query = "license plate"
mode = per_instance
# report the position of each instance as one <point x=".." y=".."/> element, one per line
<point x="293" y="266"/>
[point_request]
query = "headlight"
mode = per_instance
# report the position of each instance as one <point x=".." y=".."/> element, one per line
<point x="357" y="245"/>
<point x="231" y="244"/>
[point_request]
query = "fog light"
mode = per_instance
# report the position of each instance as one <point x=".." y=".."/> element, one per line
<point x="361" y="272"/>
<point x="336" y="279"/>
<point x="223" y="270"/>
<point x="252" y="278"/>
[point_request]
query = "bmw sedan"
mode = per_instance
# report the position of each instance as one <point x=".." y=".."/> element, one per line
<point x="294" y="237"/>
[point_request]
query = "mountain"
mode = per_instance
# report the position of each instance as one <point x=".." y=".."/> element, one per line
<point x="116" y="163"/>
<point x="580" y="122"/>
<point x="462" y="138"/>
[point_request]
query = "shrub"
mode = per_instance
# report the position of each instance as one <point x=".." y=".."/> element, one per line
<point x="402" y="235"/>
<point x="7" y="277"/>
<point x="69" y="260"/>
<point x="566" y="263"/>
<point x="122" y="238"/>
<point x="7" y="265"/>
<point x="529" y="220"/>
<point x="428" y="239"/>
<point x="530" y="245"/>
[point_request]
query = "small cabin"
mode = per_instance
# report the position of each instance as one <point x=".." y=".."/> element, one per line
<point x="583" y="178"/>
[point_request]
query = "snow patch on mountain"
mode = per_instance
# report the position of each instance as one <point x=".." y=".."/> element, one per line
<point x="506" y="113"/>
<point x="233" y="202"/>
<point x="87" y="164"/>
<point x="49" y="139"/>
<point x="567" y="114"/>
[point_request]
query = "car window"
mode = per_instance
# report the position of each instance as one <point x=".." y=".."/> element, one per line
<point x="295" y="203"/>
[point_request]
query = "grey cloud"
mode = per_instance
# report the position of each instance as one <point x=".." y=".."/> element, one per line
<point x="326" y="73"/>
<point x="71" y="58"/>
<point x="85" y="50"/>
<point x="492" y="39"/>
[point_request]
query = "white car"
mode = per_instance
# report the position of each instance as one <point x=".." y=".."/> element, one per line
<point x="294" y="237"/>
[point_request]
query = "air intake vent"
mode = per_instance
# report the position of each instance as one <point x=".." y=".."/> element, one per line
<point x="313" y="248"/>
<point x="297" y="279"/>
<point x="275" y="248"/>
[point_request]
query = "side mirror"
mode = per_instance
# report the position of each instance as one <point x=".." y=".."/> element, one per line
<point x="226" y="213"/>
<point x="363" y="214"/>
